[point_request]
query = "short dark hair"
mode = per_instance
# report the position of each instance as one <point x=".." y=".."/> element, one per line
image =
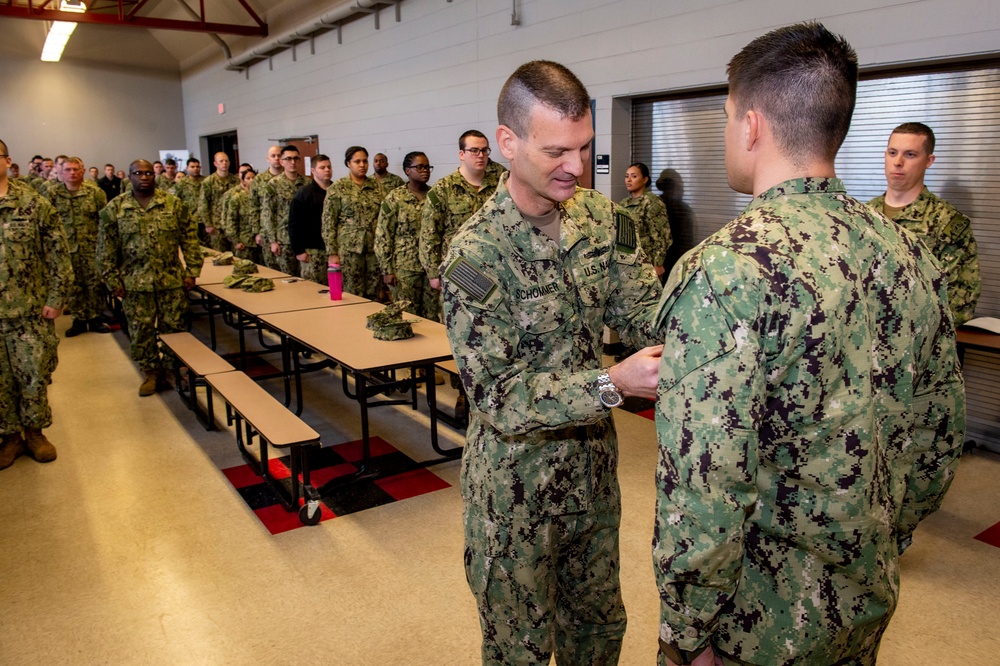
<point x="193" y="160"/>
<point x="320" y="157"/>
<point x="804" y="79"/>
<point x="244" y="174"/>
<point x="3" y="147"/>
<point x="541" y="82"/>
<point x="349" y="153"/>
<point x="408" y="160"/>
<point x="170" y="162"/>
<point x="644" y="170"/>
<point x="246" y="164"/>
<point x="466" y="134"/>
<point x="289" y="149"/>
<point x="157" y="162"/>
<point x="921" y="130"/>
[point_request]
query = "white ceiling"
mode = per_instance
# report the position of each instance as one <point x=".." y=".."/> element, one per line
<point x="167" y="50"/>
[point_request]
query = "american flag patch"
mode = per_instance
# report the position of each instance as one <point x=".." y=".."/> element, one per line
<point x="470" y="279"/>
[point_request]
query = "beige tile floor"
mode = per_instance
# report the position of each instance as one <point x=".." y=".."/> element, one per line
<point x="132" y="548"/>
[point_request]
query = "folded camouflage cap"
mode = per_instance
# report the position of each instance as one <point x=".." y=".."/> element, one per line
<point x="224" y="259"/>
<point x="244" y="267"/>
<point x="388" y="323"/>
<point x="233" y="281"/>
<point x="257" y="283"/>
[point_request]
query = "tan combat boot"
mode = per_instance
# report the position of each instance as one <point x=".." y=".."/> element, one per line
<point x="149" y="384"/>
<point x="11" y="447"/>
<point x="39" y="446"/>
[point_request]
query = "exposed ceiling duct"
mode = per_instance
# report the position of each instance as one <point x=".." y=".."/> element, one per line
<point x="328" y="21"/>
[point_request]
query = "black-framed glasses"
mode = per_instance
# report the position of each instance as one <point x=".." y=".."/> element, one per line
<point x="143" y="173"/>
<point x="291" y="159"/>
<point x="477" y="151"/>
<point x="421" y="167"/>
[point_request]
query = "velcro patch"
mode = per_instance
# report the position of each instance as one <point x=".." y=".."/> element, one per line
<point x="627" y="240"/>
<point x="470" y="279"/>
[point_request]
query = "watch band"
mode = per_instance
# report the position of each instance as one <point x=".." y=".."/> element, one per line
<point x="608" y="393"/>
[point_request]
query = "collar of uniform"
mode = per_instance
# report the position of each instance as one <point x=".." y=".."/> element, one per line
<point x="799" y="186"/>
<point x="159" y="199"/>
<point x="525" y="240"/>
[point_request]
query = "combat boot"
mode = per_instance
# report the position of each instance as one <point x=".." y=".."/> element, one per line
<point x="79" y="326"/>
<point x="97" y="325"/>
<point x="149" y="384"/>
<point x="39" y="446"/>
<point x="11" y="448"/>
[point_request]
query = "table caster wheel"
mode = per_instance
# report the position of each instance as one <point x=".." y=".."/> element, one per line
<point x="309" y="513"/>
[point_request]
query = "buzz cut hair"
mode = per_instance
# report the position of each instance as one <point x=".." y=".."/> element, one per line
<point x="541" y="82"/>
<point x="804" y="80"/>
<point x="170" y="162"/>
<point x="289" y="149"/>
<point x="919" y="129"/>
<point x="3" y="148"/>
<point x="466" y="134"/>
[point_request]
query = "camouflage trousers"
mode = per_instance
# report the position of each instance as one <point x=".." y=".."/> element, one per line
<point x="26" y="365"/>
<point x="219" y="241"/>
<point x="284" y="261"/>
<point x="548" y="584"/>
<point x="267" y="258"/>
<point x="315" y="268"/>
<point x="416" y="288"/>
<point x="149" y="313"/>
<point x="362" y="275"/>
<point x="86" y="295"/>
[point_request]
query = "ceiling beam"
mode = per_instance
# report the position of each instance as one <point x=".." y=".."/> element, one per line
<point x="35" y="13"/>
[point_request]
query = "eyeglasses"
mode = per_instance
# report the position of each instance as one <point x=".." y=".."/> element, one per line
<point x="477" y="151"/>
<point x="421" y="167"/>
<point x="143" y="173"/>
<point x="291" y="159"/>
<point x="4" y="155"/>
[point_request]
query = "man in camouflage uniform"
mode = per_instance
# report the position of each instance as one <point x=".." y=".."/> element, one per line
<point x="946" y="231"/>
<point x="137" y="255"/>
<point x="274" y="169"/>
<point x="350" y="214"/>
<point x="305" y="222"/>
<point x="381" y="175"/>
<point x="166" y="180"/>
<point x="210" y="211"/>
<point x="275" y="202"/>
<point x="35" y="272"/>
<point x="810" y="404"/>
<point x="238" y="219"/>
<point x="79" y="205"/>
<point x="530" y="282"/>
<point x="396" y="240"/>
<point x="189" y="191"/>
<point x="453" y="199"/>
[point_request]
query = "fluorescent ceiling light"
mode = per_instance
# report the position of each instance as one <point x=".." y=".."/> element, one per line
<point x="60" y="31"/>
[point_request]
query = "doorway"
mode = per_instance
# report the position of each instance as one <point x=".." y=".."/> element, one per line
<point x="225" y="142"/>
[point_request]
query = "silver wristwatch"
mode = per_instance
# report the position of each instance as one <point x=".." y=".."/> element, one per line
<point x="609" y="393"/>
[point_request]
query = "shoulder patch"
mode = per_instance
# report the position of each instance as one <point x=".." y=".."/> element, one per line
<point x="626" y="240"/>
<point x="470" y="279"/>
<point x="432" y="195"/>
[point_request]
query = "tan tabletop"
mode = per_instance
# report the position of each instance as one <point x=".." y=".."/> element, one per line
<point x="212" y="274"/>
<point x="285" y="297"/>
<point x="340" y="334"/>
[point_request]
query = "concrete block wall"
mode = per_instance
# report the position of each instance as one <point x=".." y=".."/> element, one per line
<point x="418" y="83"/>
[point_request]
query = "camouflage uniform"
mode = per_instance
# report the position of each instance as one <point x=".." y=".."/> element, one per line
<point x="164" y="182"/>
<point x="525" y="318"/>
<point x="256" y="196"/>
<point x="651" y="224"/>
<point x="810" y="413"/>
<point x="275" y="201"/>
<point x="35" y="271"/>
<point x="948" y="234"/>
<point x="388" y="183"/>
<point x="80" y="214"/>
<point x="137" y="252"/>
<point x="189" y="191"/>
<point x="240" y="224"/>
<point x="449" y="203"/>
<point x="213" y="189"/>
<point x="350" y="214"/>
<point x="397" y="251"/>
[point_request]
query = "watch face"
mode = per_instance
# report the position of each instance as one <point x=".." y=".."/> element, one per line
<point x="611" y="398"/>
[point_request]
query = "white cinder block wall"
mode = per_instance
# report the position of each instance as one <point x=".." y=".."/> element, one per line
<point x="418" y="83"/>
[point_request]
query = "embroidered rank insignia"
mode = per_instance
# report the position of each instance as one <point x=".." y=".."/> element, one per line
<point x="470" y="279"/>
<point x="626" y="241"/>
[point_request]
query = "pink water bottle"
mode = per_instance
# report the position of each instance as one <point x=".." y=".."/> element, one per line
<point x="335" y="280"/>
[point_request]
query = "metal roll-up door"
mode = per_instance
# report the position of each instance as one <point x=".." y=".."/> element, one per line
<point x="684" y="133"/>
